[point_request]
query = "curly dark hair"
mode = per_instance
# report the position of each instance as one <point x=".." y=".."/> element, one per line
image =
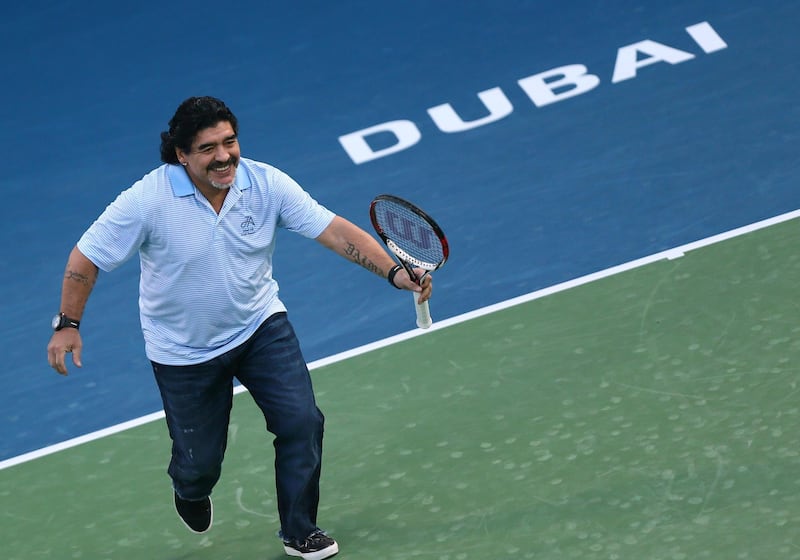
<point x="192" y="116"/>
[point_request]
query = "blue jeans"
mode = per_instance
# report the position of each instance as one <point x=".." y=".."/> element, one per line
<point x="197" y="402"/>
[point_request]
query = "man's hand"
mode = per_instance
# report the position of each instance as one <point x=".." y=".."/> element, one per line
<point x="63" y="342"/>
<point x="402" y="280"/>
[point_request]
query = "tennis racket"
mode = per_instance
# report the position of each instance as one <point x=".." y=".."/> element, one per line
<point x="414" y="238"/>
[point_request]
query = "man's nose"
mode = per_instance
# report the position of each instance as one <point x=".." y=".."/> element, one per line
<point x="221" y="154"/>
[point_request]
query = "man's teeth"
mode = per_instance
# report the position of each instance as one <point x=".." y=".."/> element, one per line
<point x="221" y="169"/>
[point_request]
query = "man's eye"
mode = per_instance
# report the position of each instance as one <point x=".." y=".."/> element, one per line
<point x="206" y="150"/>
<point x="230" y="142"/>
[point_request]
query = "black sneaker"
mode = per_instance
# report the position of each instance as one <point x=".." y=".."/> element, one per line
<point x="315" y="546"/>
<point x="197" y="515"/>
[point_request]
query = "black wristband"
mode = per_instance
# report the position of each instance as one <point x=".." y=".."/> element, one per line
<point x="391" y="275"/>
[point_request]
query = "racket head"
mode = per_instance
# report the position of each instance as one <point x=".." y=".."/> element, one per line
<point x="409" y="232"/>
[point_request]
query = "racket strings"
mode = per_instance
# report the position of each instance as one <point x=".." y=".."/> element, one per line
<point x="410" y="232"/>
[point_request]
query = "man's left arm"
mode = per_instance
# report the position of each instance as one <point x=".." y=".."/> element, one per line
<point x="353" y="243"/>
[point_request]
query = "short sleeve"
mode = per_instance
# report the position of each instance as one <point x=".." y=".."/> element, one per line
<point x="117" y="234"/>
<point x="299" y="212"/>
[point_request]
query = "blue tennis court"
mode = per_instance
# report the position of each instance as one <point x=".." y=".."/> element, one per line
<point x="550" y="141"/>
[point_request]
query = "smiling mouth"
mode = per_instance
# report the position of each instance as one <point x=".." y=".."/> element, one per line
<point x="222" y="168"/>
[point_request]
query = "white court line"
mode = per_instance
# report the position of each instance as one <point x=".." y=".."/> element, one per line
<point x="669" y="254"/>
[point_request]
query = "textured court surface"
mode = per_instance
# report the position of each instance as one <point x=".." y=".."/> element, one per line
<point x="650" y="414"/>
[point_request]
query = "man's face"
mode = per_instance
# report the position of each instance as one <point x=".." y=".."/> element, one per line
<point x="213" y="157"/>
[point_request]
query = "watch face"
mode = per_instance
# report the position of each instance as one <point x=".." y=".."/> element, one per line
<point x="56" y="321"/>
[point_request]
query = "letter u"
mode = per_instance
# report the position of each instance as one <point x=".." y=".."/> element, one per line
<point x="493" y="99"/>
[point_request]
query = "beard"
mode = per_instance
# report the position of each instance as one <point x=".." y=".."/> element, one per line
<point x="223" y="186"/>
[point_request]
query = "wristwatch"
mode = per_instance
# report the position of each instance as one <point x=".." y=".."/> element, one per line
<point x="61" y="321"/>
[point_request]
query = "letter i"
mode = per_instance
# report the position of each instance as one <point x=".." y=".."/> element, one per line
<point x="705" y="36"/>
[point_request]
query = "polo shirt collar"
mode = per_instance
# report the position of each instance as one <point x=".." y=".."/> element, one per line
<point x="183" y="186"/>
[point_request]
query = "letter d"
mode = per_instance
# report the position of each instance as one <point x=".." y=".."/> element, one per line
<point x="406" y="133"/>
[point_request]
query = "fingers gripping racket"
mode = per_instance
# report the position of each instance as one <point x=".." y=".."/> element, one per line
<point x="414" y="238"/>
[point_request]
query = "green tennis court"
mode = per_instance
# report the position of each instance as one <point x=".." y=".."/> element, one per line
<point x="652" y="414"/>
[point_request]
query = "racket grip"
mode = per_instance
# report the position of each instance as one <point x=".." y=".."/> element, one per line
<point x="424" y="320"/>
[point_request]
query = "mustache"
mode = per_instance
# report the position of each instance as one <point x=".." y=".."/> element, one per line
<point x="216" y="165"/>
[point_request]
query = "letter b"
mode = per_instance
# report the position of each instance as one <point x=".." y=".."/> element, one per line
<point x="541" y="88"/>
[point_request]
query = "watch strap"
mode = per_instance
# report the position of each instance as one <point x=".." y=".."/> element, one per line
<point x="67" y="322"/>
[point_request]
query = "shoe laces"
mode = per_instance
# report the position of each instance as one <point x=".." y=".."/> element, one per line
<point x="316" y="537"/>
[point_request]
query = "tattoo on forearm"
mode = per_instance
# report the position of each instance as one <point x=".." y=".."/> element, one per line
<point x="82" y="278"/>
<point x="353" y="252"/>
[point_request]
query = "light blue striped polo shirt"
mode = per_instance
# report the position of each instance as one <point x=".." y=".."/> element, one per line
<point x="206" y="278"/>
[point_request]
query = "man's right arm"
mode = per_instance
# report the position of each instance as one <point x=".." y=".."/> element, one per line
<point x="79" y="279"/>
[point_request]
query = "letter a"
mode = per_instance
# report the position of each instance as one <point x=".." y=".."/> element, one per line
<point x="493" y="99"/>
<point x="627" y="58"/>
<point x="405" y="132"/>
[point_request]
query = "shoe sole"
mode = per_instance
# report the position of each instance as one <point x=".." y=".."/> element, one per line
<point x="318" y="555"/>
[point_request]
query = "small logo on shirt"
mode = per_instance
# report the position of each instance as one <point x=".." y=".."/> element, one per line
<point x="248" y="225"/>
